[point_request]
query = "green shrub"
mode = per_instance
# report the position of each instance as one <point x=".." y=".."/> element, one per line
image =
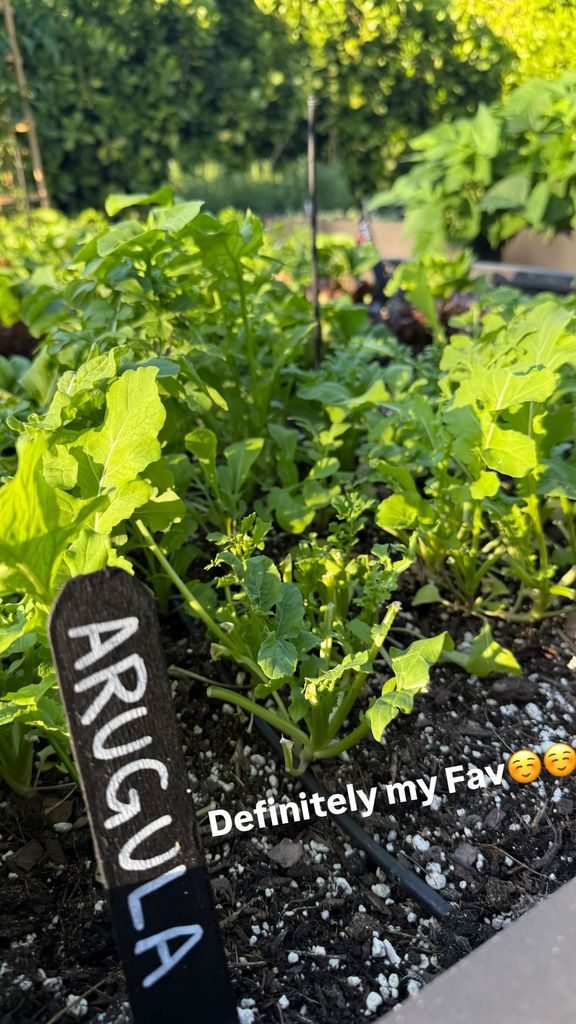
<point x="264" y="189"/>
<point x="121" y="86"/>
<point x="509" y="167"/>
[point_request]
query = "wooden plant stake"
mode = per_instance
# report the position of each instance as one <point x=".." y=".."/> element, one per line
<point x="106" y="643"/>
<point x="29" y="122"/>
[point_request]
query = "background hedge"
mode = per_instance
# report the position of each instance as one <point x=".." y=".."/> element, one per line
<point x="121" y="87"/>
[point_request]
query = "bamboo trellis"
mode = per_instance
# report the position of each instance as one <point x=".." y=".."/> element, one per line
<point x="25" y="126"/>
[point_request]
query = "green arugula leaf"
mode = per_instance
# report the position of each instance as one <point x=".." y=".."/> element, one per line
<point x="289" y="611"/>
<point x="277" y="658"/>
<point x="486" y="486"/>
<point x="412" y="667"/>
<point x="385" y="709"/>
<point x="204" y="445"/>
<point x="509" y="452"/>
<point x="486" y="655"/>
<point x="240" y="458"/>
<point x="127" y="442"/>
<point x="117" y="202"/>
<point x="262" y="582"/>
<point x="401" y="512"/>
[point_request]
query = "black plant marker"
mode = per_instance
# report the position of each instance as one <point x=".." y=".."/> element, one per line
<point x="106" y="643"/>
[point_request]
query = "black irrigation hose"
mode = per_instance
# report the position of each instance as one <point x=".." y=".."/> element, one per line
<point x="406" y="879"/>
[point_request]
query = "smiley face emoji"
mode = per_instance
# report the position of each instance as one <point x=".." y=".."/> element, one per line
<point x="524" y="766"/>
<point x="560" y="760"/>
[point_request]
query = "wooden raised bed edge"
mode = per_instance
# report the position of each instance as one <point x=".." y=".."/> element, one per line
<point x="523" y="975"/>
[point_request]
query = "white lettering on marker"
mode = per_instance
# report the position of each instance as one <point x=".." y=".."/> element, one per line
<point x="104" y="637"/>
<point x="130" y="863"/>
<point x="113" y="686"/>
<point x="137" y="895"/>
<point x="108" y="753"/>
<point x="168" y="960"/>
<point x="128" y="809"/>
<point x="124" y="629"/>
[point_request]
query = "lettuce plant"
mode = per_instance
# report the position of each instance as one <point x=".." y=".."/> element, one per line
<point x="83" y="469"/>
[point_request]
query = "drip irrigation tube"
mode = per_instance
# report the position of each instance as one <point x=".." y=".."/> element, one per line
<point x="410" y="882"/>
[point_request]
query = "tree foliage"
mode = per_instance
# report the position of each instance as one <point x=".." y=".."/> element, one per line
<point x="387" y="69"/>
<point x="120" y="86"/>
<point x="541" y="34"/>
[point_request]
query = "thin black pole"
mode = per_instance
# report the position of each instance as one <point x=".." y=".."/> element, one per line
<point x="313" y="209"/>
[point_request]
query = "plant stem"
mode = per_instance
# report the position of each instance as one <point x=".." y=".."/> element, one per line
<point x="350" y="698"/>
<point x="348" y="741"/>
<point x="281" y="706"/>
<point x="348" y="702"/>
<point x="228" y="648"/>
<point x="16" y="759"/>
<point x="185" y="673"/>
<point x="283" y="726"/>
<point x="569" y="517"/>
<point x="318" y="727"/>
<point x="187" y="594"/>
<point x="202" y="811"/>
<point x="244" y="313"/>
<point x="66" y="760"/>
<point x="534" y="511"/>
<point x="19" y="788"/>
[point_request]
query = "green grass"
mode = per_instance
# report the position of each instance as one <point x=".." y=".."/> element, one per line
<point x="265" y="189"/>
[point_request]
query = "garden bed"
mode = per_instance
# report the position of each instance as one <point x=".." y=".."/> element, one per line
<point x="312" y="931"/>
<point x="430" y="457"/>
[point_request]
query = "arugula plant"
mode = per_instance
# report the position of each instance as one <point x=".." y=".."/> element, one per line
<point x="35" y="247"/>
<point x="310" y="632"/>
<point x="171" y="410"/>
<point x="164" y="371"/>
<point x="191" y="292"/>
<point x="482" y="473"/>
<point x="198" y="298"/>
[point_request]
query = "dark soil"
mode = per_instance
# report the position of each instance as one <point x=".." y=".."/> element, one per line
<point x="16" y="340"/>
<point x="321" y="938"/>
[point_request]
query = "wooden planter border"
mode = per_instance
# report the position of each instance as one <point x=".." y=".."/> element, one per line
<point x="523" y="975"/>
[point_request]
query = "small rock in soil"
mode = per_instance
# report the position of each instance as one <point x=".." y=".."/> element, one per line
<point x="28" y="856"/>
<point x="286" y="853"/>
